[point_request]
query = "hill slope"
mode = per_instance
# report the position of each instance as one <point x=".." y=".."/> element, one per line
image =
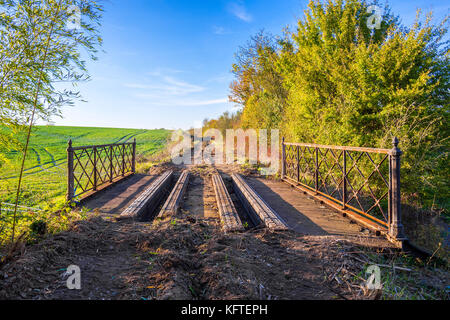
<point x="45" y="166"/>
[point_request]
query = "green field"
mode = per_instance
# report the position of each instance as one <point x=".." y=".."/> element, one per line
<point x="45" y="175"/>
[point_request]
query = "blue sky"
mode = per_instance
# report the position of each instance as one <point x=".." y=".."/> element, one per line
<point x="167" y="62"/>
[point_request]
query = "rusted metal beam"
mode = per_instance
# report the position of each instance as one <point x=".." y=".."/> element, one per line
<point x="227" y="211"/>
<point x="344" y="181"/>
<point x="256" y="206"/>
<point x="133" y="165"/>
<point x="283" y="157"/>
<point x="123" y="160"/>
<point x="101" y="189"/>
<point x="316" y="169"/>
<point x="143" y="207"/>
<point x="95" y="169"/>
<point x="111" y="165"/>
<point x="327" y="198"/>
<point x="172" y="203"/>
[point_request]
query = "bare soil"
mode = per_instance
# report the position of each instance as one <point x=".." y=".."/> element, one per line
<point x="187" y="256"/>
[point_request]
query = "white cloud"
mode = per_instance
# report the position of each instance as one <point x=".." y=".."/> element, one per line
<point x="220" y="30"/>
<point x="183" y="87"/>
<point x="167" y="91"/>
<point x="239" y="11"/>
<point x="167" y="85"/>
<point x="224" y="78"/>
<point x="203" y="103"/>
<point x="163" y="71"/>
<point x="180" y="102"/>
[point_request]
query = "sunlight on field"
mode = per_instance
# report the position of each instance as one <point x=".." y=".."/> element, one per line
<point x="45" y="167"/>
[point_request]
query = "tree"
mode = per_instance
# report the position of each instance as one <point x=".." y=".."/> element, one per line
<point x="258" y="85"/>
<point x="224" y="122"/>
<point x="354" y="86"/>
<point x="41" y="43"/>
<point x="346" y="84"/>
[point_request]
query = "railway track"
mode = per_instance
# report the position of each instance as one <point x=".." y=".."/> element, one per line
<point x="164" y="198"/>
<point x="235" y="203"/>
<point x="143" y="207"/>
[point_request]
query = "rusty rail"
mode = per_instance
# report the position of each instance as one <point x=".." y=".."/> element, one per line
<point x="144" y="206"/>
<point x="172" y="204"/>
<point x="362" y="183"/>
<point x="227" y="211"/>
<point x="256" y="207"/>
<point x="91" y="168"/>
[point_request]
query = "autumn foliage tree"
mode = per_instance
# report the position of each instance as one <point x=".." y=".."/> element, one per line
<point x="336" y="81"/>
<point x="259" y="85"/>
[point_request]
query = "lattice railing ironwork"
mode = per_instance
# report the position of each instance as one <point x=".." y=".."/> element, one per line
<point x="364" y="182"/>
<point x="91" y="167"/>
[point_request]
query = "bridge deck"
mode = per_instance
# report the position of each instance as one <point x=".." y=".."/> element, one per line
<point x="302" y="213"/>
<point x="121" y="195"/>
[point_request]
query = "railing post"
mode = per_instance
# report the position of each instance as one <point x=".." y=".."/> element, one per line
<point x="298" y="164"/>
<point x="395" y="227"/>
<point x="123" y="160"/>
<point x="70" y="173"/>
<point x="283" y="160"/>
<point x="344" y="181"/>
<point x="316" y="173"/>
<point x="133" y="168"/>
<point x="95" y="169"/>
<point x="111" y="178"/>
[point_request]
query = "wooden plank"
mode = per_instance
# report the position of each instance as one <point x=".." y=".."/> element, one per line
<point x="228" y="214"/>
<point x="84" y="197"/>
<point x="377" y="228"/>
<point x="142" y="208"/>
<point x="256" y="206"/>
<point x="173" y="201"/>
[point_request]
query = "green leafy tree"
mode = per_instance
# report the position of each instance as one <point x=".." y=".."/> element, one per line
<point x="224" y="122"/>
<point x="347" y="84"/>
<point x="41" y="43"/>
<point x="259" y="85"/>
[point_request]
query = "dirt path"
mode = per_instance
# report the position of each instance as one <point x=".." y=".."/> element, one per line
<point x="200" y="200"/>
<point x="187" y="256"/>
<point x="190" y="259"/>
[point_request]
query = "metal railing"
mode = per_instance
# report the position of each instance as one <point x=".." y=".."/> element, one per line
<point x="363" y="183"/>
<point x="90" y="167"/>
